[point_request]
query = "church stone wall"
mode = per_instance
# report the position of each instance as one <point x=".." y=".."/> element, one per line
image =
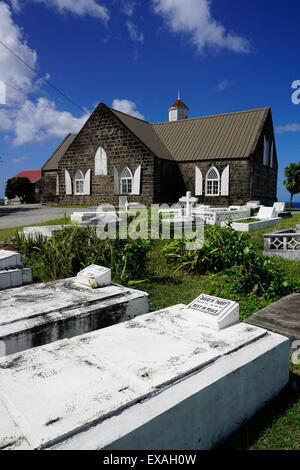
<point x="239" y="181"/>
<point x="264" y="178"/>
<point x="122" y="149"/>
<point x="48" y="188"/>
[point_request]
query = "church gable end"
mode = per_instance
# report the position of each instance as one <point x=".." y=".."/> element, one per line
<point x="105" y="147"/>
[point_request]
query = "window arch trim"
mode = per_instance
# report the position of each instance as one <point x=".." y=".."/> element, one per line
<point x="212" y="182"/>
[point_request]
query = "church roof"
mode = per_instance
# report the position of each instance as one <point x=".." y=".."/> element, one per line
<point x="52" y="162"/>
<point x="223" y="136"/>
<point x="145" y="133"/>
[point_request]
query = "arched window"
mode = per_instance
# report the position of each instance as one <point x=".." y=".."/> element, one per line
<point x="126" y="181"/>
<point x="212" y="182"/>
<point x="79" y="182"/>
<point x="100" y="162"/>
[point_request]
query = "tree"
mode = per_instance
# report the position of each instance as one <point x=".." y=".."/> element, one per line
<point x="292" y="181"/>
<point x="19" y="187"/>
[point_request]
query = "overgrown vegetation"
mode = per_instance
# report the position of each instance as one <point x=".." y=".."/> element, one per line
<point x="231" y="253"/>
<point x="73" y="248"/>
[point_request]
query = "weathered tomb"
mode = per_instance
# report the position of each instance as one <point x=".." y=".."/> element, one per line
<point x="43" y="313"/>
<point x="282" y="317"/>
<point x="12" y="272"/>
<point x="160" y="381"/>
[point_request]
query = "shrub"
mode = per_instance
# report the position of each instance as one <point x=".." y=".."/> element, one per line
<point x="225" y="250"/>
<point x="74" y="248"/>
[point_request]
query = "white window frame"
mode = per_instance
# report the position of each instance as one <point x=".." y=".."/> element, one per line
<point x="126" y="182"/>
<point x="213" y="183"/>
<point x="78" y="183"/>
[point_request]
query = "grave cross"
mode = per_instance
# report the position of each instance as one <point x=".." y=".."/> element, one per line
<point x="189" y="201"/>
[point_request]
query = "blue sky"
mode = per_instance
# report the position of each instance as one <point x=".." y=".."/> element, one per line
<point x="224" y="55"/>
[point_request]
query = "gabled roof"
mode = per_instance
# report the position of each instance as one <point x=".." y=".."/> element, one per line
<point x="224" y="136"/>
<point x="52" y="162"/>
<point x="32" y="175"/>
<point x="145" y="133"/>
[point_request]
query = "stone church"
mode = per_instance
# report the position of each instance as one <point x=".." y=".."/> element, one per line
<point x="226" y="159"/>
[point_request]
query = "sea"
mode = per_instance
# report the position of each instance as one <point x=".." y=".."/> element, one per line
<point x="296" y="205"/>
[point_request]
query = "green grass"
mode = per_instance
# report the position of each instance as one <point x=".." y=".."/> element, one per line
<point x="248" y="221"/>
<point x="10" y="232"/>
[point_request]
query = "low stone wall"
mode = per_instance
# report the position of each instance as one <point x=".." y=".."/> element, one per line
<point x="284" y="243"/>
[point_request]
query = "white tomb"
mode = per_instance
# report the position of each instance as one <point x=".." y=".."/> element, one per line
<point x="42" y="313"/>
<point x="94" y="276"/>
<point x="79" y="217"/>
<point x="12" y="273"/>
<point x="9" y="259"/>
<point x="253" y="204"/>
<point x="215" y="312"/>
<point x="265" y="213"/>
<point x="46" y="231"/>
<point x="162" y="381"/>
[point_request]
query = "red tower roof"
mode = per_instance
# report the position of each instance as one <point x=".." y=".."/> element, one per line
<point x="33" y="175"/>
<point x="179" y="104"/>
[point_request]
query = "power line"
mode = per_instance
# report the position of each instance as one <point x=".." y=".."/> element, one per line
<point x="31" y="98"/>
<point x="41" y="76"/>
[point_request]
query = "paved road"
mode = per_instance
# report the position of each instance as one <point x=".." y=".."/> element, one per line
<point x="17" y="216"/>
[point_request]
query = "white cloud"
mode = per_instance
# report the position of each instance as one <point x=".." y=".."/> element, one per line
<point x="134" y="33"/>
<point x="288" y="128"/>
<point x="223" y="85"/>
<point x="26" y="121"/>
<point x="37" y="122"/>
<point x="12" y="71"/>
<point x="194" y="17"/>
<point x="127" y="107"/>
<point x="77" y="7"/>
<point x="128" y="7"/>
<point x="18" y="160"/>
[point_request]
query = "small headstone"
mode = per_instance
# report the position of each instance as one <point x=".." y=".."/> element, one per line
<point x="266" y="213"/>
<point x="279" y="206"/>
<point x="253" y="204"/>
<point x="105" y="218"/>
<point x="9" y="259"/>
<point x="95" y="276"/>
<point x="215" y="313"/>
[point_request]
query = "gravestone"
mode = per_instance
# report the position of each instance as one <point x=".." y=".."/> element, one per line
<point x="253" y="204"/>
<point x="46" y="231"/>
<point x="265" y="213"/>
<point x="160" y="381"/>
<point x="189" y="202"/>
<point x="215" y="312"/>
<point x="94" y="276"/>
<point x="279" y="207"/>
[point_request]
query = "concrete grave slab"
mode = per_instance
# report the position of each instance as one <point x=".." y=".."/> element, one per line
<point x="9" y="259"/>
<point x="281" y="317"/>
<point x="160" y="381"/>
<point x="47" y="231"/>
<point x="43" y="313"/>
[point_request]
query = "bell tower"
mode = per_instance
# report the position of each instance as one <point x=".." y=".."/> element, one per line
<point x="178" y="111"/>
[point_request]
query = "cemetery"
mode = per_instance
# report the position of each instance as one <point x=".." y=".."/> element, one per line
<point x="190" y="357"/>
